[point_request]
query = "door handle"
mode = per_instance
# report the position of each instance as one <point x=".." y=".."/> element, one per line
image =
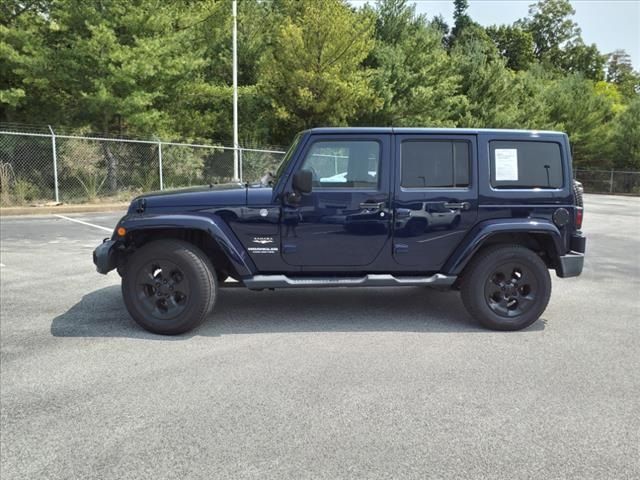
<point x="461" y="205"/>
<point x="372" y="205"/>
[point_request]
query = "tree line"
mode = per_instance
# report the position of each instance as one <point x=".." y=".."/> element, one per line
<point x="163" y="68"/>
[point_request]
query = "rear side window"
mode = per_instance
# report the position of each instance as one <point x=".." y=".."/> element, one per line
<point x="526" y="164"/>
<point x="434" y="163"/>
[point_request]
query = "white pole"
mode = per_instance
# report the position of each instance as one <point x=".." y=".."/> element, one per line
<point x="55" y="164"/>
<point x="160" y="164"/>
<point x="236" y="159"/>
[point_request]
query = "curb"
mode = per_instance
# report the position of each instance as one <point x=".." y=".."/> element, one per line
<point x="86" y="208"/>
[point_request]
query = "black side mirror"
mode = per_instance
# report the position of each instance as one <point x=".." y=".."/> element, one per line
<point x="303" y="181"/>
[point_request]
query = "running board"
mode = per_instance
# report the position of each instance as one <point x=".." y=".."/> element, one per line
<point x="258" y="282"/>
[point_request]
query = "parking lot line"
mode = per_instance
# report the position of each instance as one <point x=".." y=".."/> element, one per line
<point x="83" y="223"/>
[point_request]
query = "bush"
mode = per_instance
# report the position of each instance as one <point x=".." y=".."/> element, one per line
<point x="24" y="191"/>
<point x="7" y="177"/>
<point x="83" y="162"/>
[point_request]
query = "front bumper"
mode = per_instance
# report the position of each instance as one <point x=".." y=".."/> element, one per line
<point x="104" y="256"/>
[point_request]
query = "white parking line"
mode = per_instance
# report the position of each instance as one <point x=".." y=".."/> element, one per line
<point x="83" y="223"/>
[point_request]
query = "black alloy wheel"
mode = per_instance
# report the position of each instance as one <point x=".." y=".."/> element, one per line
<point x="511" y="289"/>
<point x="169" y="286"/>
<point x="163" y="289"/>
<point x="506" y="287"/>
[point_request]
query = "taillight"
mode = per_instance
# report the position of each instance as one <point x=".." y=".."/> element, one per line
<point x="579" y="215"/>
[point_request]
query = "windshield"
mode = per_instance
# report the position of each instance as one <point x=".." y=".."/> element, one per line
<point x="286" y="158"/>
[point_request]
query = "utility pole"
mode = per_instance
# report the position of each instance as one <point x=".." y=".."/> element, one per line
<point x="236" y="158"/>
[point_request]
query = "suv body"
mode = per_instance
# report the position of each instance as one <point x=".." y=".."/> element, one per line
<point x="484" y="211"/>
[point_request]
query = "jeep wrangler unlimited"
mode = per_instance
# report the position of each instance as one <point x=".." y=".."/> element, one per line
<point x="487" y="212"/>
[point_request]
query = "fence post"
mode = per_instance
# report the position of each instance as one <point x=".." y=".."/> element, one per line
<point x="611" y="183"/>
<point x="160" y="164"/>
<point x="55" y="164"/>
<point x="240" y="164"/>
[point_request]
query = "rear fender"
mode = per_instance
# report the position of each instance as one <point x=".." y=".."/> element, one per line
<point x="483" y="231"/>
<point x="212" y="226"/>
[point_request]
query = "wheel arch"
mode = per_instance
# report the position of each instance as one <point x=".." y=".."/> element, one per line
<point x="211" y="235"/>
<point x="540" y="236"/>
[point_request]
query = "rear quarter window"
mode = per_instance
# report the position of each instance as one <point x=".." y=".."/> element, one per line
<point x="526" y="164"/>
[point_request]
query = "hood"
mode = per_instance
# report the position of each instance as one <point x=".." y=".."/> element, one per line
<point x="227" y="194"/>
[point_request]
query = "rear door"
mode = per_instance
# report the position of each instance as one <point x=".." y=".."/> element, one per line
<point x="435" y="198"/>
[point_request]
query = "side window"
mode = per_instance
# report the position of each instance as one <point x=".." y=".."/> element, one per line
<point x="344" y="163"/>
<point x="434" y="163"/>
<point x="526" y="164"/>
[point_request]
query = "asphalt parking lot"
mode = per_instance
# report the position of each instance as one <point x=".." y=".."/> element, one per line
<point x="332" y="383"/>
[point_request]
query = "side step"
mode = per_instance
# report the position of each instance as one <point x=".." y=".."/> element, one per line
<point x="258" y="282"/>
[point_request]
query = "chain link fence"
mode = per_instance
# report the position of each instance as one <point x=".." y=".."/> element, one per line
<point x="608" y="181"/>
<point x="37" y="168"/>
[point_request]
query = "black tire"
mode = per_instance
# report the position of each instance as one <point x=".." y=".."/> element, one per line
<point x="169" y="287"/>
<point x="506" y="287"/>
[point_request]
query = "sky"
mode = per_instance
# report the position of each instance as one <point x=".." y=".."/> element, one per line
<point x="610" y="24"/>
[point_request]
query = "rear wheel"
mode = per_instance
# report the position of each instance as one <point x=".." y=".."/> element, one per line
<point x="506" y="287"/>
<point x="169" y="287"/>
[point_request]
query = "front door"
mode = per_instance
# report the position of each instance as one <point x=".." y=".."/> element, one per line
<point x="435" y="199"/>
<point x="345" y="220"/>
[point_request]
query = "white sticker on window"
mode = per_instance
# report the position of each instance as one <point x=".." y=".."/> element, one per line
<point x="506" y="164"/>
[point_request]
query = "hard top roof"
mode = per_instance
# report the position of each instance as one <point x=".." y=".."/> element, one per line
<point x="416" y="130"/>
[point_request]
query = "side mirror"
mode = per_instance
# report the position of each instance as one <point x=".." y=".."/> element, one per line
<point x="303" y="181"/>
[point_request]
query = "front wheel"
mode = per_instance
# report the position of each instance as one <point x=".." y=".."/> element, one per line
<point x="169" y="287"/>
<point x="506" y="287"/>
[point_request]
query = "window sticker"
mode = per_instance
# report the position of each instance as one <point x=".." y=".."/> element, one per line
<point x="506" y="164"/>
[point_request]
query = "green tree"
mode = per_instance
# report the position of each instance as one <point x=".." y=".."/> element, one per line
<point x="461" y="19"/>
<point x="313" y="75"/>
<point x="514" y="44"/>
<point x="577" y="108"/>
<point x="552" y="28"/>
<point x="23" y="34"/>
<point x="485" y="82"/>
<point x="626" y="137"/>
<point x="558" y="42"/>
<point x="395" y="20"/>
<point x="585" y="59"/>
<point x="411" y="72"/>
<point x="620" y="72"/>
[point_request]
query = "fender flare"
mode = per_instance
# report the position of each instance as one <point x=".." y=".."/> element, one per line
<point x="479" y="234"/>
<point x="212" y="225"/>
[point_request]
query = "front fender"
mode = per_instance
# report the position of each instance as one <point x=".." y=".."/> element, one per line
<point x="479" y="234"/>
<point x="212" y="225"/>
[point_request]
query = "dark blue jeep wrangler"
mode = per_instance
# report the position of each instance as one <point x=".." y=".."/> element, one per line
<point x="487" y="212"/>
